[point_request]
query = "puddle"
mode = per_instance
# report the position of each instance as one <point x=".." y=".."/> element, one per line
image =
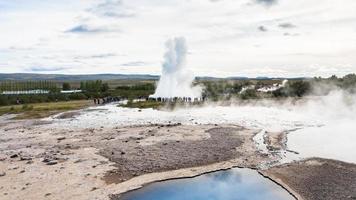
<point x="233" y="184"/>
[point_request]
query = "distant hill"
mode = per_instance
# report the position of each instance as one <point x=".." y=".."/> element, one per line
<point x="64" y="77"/>
<point x="104" y="77"/>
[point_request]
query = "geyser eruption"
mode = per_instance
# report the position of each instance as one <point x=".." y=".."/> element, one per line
<point x="176" y="80"/>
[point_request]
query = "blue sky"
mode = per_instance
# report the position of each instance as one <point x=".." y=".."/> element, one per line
<point x="224" y="37"/>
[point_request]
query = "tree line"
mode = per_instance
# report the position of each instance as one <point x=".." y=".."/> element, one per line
<point x="28" y="85"/>
<point x="90" y="89"/>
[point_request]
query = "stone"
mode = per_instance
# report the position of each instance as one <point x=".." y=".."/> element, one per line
<point x="23" y="158"/>
<point x="52" y="162"/>
<point x="14" y="156"/>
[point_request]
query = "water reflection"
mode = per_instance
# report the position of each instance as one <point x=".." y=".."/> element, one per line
<point x="234" y="184"/>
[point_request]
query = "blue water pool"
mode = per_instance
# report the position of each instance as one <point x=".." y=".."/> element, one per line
<point x="234" y="184"/>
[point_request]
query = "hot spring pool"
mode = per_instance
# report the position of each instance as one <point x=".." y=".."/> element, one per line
<point x="234" y="184"/>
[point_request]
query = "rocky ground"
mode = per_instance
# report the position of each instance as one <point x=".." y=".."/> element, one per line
<point x="317" y="179"/>
<point x="178" y="147"/>
<point x="96" y="163"/>
<point x="43" y="160"/>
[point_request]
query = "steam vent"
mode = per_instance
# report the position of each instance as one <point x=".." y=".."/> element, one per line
<point x="176" y="80"/>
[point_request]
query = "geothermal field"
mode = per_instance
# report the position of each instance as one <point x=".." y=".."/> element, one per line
<point x="288" y="148"/>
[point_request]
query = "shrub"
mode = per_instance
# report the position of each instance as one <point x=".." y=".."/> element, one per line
<point x="249" y="94"/>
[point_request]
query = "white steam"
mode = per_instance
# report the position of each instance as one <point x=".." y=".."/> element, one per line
<point x="271" y="88"/>
<point x="318" y="126"/>
<point x="176" y="80"/>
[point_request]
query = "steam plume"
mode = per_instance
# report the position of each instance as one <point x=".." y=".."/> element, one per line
<point x="176" y="80"/>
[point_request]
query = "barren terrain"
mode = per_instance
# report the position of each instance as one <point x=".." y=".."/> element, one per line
<point x="40" y="159"/>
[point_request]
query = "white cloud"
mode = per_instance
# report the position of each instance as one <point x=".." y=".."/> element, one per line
<point x="224" y="37"/>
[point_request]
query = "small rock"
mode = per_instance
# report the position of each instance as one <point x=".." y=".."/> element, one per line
<point x="109" y="138"/>
<point x="2" y="173"/>
<point x="61" y="138"/>
<point x="22" y="171"/>
<point x="29" y="162"/>
<point x="79" y="161"/>
<point x="14" y="156"/>
<point x="23" y="158"/>
<point x="52" y="162"/>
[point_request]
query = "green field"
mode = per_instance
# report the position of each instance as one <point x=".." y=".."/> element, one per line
<point x="41" y="110"/>
<point x="144" y="104"/>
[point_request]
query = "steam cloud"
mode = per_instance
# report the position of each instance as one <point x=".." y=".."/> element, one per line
<point x="176" y="80"/>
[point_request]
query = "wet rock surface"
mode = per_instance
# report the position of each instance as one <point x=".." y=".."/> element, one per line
<point x="318" y="179"/>
<point x="68" y="115"/>
<point x="132" y="159"/>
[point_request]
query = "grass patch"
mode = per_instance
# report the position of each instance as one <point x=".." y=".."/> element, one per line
<point x="143" y="104"/>
<point x="40" y="110"/>
<point x="159" y="105"/>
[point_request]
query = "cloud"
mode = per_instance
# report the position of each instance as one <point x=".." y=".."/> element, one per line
<point x="291" y="34"/>
<point x="97" y="56"/>
<point x="266" y="2"/>
<point x="216" y="31"/>
<point x="103" y="55"/>
<point x="112" y="8"/>
<point x="82" y="28"/>
<point x="262" y="29"/>
<point x="135" y="63"/>
<point x="287" y="25"/>
<point x="45" y="69"/>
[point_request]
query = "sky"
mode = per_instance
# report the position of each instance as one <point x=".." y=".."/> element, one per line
<point x="276" y="38"/>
